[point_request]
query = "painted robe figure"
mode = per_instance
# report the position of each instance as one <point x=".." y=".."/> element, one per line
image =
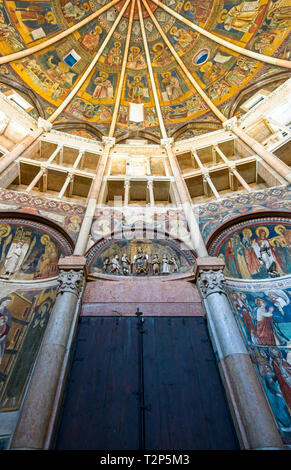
<point x="244" y="17"/>
<point x="103" y="87"/>
<point x="172" y="85"/>
<point x="282" y="370"/>
<point x="12" y="260"/>
<point x="4" y="326"/>
<point x="265" y="329"/>
<point x="265" y="253"/>
<point x="250" y="255"/>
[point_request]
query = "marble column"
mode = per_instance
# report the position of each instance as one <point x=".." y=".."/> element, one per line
<point x="150" y="188"/>
<point x="184" y="196"/>
<point x="252" y="415"/>
<point x="126" y="192"/>
<point x="39" y="411"/>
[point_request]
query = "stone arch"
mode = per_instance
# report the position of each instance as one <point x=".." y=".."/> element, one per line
<point x="254" y="246"/>
<point x="156" y="245"/>
<point x="30" y="247"/>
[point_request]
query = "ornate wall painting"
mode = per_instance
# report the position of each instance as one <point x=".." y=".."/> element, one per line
<point x="23" y="318"/>
<point x="136" y="58"/>
<point x="90" y="37"/>
<point x="263" y="312"/>
<point x="137" y="89"/>
<point x="182" y="38"/>
<point x="101" y="87"/>
<point x="139" y="257"/>
<point x="198" y="11"/>
<point x="30" y="250"/>
<point x="256" y="249"/>
<point x="67" y="215"/>
<point x="112" y="55"/>
<point x="237" y="18"/>
<point x="32" y="20"/>
<point x="10" y="41"/>
<point x="213" y="215"/>
<point x="172" y="86"/>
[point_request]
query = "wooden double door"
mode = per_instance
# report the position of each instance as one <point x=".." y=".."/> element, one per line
<point x="147" y="383"/>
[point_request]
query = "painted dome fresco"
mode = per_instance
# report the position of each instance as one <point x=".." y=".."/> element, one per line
<point x="147" y="52"/>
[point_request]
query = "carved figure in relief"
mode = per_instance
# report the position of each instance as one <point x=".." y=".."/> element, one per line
<point x="174" y="265"/>
<point x="165" y="265"/>
<point x="156" y="264"/>
<point x="115" y="266"/>
<point x="141" y="261"/>
<point x="125" y="264"/>
<point x="106" y="265"/>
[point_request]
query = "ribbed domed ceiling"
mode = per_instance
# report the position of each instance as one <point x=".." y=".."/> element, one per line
<point x="226" y="76"/>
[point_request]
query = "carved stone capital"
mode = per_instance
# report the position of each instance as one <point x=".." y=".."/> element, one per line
<point x="230" y="123"/>
<point x="46" y="125"/>
<point x="167" y="142"/>
<point x="70" y="281"/>
<point x="108" y="141"/>
<point x="211" y="282"/>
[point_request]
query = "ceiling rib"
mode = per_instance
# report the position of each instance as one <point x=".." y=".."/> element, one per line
<point x="225" y="43"/>
<point x="31" y="50"/>
<point x="122" y="73"/>
<point x="150" y="69"/>
<point x="87" y="72"/>
<point x="188" y="74"/>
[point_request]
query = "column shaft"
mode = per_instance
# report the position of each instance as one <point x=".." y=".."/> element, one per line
<point x="39" y="403"/>
<point x="253" y="418"/>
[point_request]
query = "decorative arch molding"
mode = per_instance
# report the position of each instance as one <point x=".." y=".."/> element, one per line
<point x="30" y="249"/>
<point x="248" y="91"/>
<point x="148" y="253"/>
<point x="78" y="125"/>
<point x="27" y="92"/>
<point x="138" y="135"/>
<point x="197" y="125"/>
<point x="256" y="214"/>
<point x="256" y="247"/>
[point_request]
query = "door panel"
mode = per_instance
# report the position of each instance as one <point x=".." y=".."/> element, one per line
<point x="101" y="405"/>
<point x="187" y="406"/>
<point x="164" y="363"/>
